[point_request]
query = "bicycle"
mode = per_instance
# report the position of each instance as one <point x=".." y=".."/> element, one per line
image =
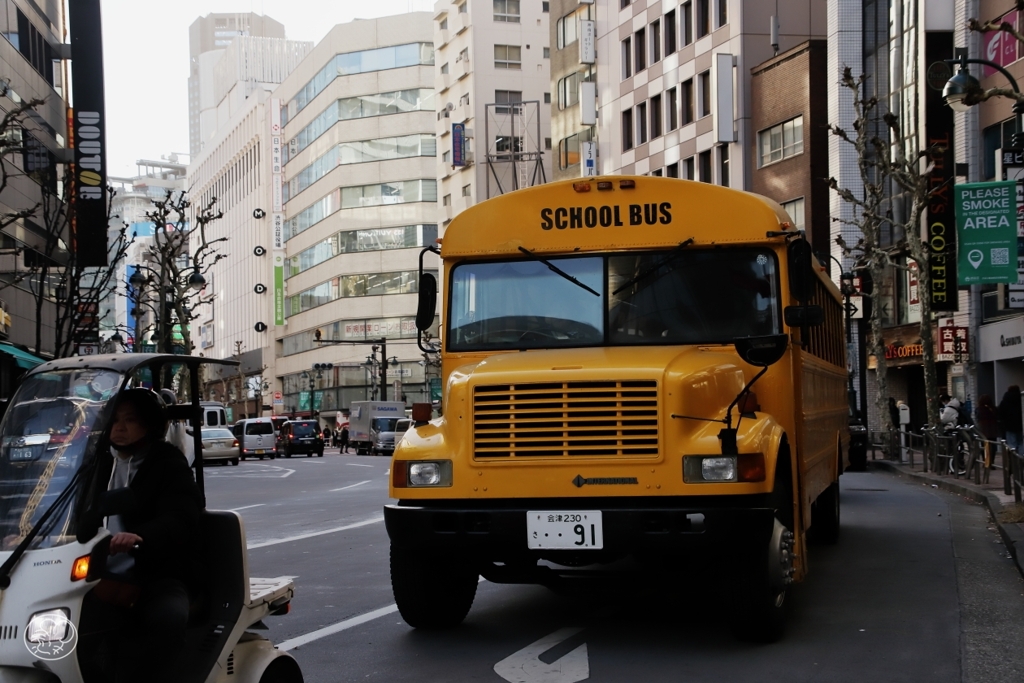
<point x="964" y="436"/>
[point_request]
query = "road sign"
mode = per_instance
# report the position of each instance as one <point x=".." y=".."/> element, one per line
<point x="88" y="349"/>
<point x="278" y="398"/>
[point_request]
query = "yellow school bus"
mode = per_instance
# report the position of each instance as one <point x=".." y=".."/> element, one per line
<point x="632" y="368"/>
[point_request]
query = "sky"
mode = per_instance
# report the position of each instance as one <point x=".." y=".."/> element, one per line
<point x="145" y="53"/>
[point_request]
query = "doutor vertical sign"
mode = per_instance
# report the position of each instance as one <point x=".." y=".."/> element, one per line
<point x="89" y="175"/>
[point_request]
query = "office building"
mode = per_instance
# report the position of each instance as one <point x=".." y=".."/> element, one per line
<point x="493" y="87"/>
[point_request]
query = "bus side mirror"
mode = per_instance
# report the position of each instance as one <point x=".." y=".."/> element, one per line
<point x="801" y="270"/>
<point x="427" y="305"/>
<point x="804" y="316"/>
<point x="761" y="351"/>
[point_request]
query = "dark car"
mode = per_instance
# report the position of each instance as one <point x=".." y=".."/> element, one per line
<point x="300" y="436"/>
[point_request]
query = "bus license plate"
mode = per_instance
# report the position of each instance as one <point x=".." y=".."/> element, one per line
<point x="564" y="529"/>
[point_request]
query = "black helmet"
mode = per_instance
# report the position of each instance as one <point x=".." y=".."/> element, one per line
<point x="150" y="408"/>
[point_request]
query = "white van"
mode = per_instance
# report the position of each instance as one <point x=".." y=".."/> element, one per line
<point x="256" y="438"/>
<point x="214" y="414"/>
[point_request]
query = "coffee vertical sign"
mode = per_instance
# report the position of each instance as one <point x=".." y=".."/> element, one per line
<point x="88" y="134"/>
<point x="941" y="219"/>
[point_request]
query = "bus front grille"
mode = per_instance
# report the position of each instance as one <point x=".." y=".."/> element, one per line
<point x="600" y="418"/>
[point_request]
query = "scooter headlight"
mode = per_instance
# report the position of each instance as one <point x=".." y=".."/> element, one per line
<point x="49" y="626"/>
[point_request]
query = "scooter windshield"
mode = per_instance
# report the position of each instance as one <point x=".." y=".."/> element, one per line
<point x="43" y="442"/>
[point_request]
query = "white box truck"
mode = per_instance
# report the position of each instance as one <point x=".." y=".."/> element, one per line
<point x="371" y="428"/>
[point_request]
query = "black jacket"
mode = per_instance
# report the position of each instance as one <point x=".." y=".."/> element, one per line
<point x="165" y="513"/>
<point x="1009" y="412"/>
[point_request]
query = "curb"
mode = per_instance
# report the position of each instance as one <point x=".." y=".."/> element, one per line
<point x="1012" y="535"/>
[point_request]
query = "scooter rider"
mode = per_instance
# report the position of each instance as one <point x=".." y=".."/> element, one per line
<point x="135" y="630"/>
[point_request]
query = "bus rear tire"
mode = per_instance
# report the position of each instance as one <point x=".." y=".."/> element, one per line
<point x="825" y="517"/>
<point x="432" y="591"/>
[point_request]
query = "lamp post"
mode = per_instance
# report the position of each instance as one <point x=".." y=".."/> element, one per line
<point x="961" y="88"/>
<point x="846" y="281"/>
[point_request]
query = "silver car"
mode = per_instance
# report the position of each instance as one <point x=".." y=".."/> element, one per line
<point x="219" y="444"/>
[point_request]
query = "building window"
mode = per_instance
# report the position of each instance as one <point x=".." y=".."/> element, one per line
<point x="672" y="108"/>
<point x="689" y="110"/>
<point x="627" y="58"/>
<point x="446" y="156"/>
<point x="507" y="11"/>
<point x="508" y="57"/>
<point x="670" y="32"/>
<point x="723" y="165"/>
<point x="627" y="129"/>
<point x="547" y="98"/>
<point x="723" y="13"/>
<point x="656" y="117"/>
<point x="567" y="30"/>
<point x="443" y="24"/>
<point x="463" y="9"/>
<point x="656" y="173"/>
<point x="672" y="170"/>
<point x="444" y="68"/>
<point x="623" y="4"/>
<point x="545" y="7"/>
<point x="569" y="149"/>
<point x="547" y="143"/>
<point x="467" y="190"/>
<point x="782" y="141"/>
<point x="688" y="172"/>
<point x="547" y="53"/>
<point x="655" y="36"/>
<point x="686" y="16"/>
<point x="704" y="162"/>
<point x="639" y="51"/>
<point x="446" y="200"/>
<point x="569" y="90"/>
<point x="641" y="123"/>
<point x="506" y="97"/>
<point x="704" y="104"/>
<point x="795" y="209"/>
<point x="703" y="19"/>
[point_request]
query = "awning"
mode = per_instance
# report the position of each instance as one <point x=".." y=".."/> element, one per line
<point x="23" y="359"/>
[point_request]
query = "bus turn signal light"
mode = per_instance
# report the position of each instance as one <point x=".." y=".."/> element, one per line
<point x="627" y="184"/>
<point x="581" y="187"/>
<point x="80" y="568"/>
<point x="605" y="185"/>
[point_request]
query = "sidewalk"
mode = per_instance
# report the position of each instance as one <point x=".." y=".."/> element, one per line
<point x="990" y="494"/>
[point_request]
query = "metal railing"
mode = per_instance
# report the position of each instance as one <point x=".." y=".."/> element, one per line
<point x="964" y="453"/>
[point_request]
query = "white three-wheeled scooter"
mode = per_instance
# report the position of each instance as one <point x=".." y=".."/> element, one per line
<point x="51" y="437"/>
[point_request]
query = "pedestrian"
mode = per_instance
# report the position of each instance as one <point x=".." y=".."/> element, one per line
<point x="343" y="445"/>
<point x="327" y="437"/>
<point x="1010" y="417"/>
<point x="986" y="417"/>
<point x="950" y="413"/>
<point x="894" y="413"/>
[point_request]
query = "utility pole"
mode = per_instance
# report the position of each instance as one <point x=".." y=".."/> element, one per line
<point x="382" y="343"/>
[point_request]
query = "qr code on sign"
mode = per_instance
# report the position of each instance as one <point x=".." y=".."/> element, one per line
<point x="1000" y="257"/>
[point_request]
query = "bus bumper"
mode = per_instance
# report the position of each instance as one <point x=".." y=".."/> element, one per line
<point x="497" y="532"/>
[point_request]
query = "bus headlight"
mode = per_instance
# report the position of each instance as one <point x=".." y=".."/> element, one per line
<point x="698" y="469"/>
<point x="422" y="474"/>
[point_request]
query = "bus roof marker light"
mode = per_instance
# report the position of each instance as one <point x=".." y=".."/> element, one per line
<point x="605" y="185"/>
<point x="628" y="184"/>
<point x="581" y="187"/>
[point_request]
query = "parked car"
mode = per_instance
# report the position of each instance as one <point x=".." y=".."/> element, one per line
<point x="219" y="444"/>
<point x="257" y="438"/>
<point x="300" y="436"/>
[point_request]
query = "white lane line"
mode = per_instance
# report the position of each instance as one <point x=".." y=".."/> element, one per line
<point x="526" y="666"/>
<point x="313" y="534"/>
<point x="246" y="507"/>
<point x="351" y="486"/>
<point x="337" y="628"/>
<point x="356" y="464"/>
<point x="341" y="626"/>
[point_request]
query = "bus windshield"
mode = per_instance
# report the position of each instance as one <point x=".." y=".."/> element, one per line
<point x="697" y="296"/>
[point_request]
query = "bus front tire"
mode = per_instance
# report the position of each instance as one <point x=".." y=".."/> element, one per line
<point x="759" y="611"/>
<point x="432" y="591"/>
<point x="825" y="517"/>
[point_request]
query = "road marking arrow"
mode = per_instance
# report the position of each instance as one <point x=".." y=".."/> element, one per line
<point x="526" y="665"/>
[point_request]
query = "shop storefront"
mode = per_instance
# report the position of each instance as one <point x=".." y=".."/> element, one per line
<point x="1000" y="356"/>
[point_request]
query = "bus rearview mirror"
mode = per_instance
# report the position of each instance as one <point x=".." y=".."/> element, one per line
<point x="801" y="270"/>
<point x="427" y="305"/>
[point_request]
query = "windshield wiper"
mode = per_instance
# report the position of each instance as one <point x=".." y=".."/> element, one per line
<point x="650" y="271"/>
<point x="558" y="270"/>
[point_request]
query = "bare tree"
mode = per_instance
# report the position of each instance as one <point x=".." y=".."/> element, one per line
<point x="51" y="271"/>
<point x="173" y="274"/>
<point x="886" y="167"/>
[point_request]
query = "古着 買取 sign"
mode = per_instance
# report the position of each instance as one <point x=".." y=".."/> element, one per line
<point x="986" y="226"/>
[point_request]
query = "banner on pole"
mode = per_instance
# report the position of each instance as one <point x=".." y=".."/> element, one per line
<point x="986" y="224"/>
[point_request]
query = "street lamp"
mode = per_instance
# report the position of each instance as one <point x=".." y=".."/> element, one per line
<point x="196" y="281"/>
<point x="847" y="290"/>
<point x="962" y="90"/>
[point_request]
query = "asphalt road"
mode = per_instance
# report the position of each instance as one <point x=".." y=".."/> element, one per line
<point x="919" y="588"/>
